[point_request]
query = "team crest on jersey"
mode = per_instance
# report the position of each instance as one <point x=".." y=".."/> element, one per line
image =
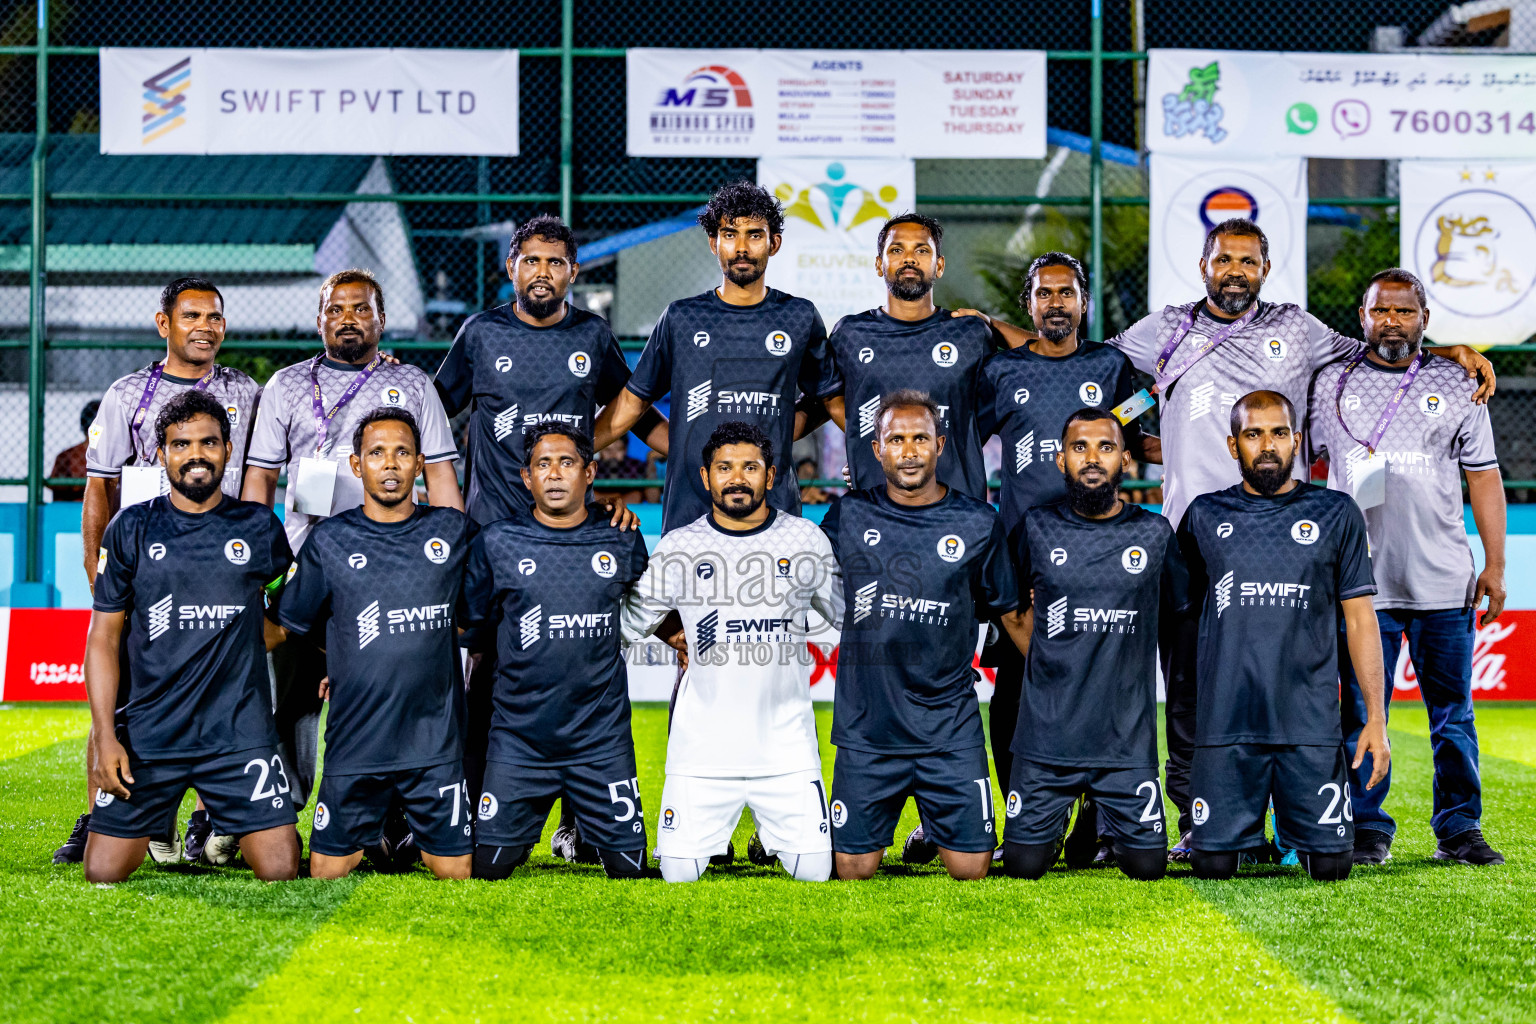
<point x="436" y="550"/>
<point x="1134" y="559"/>
<point x="580" y="363"/>
<point x="391" y="396"/>
<point x="237" y="551"/>
<point x="527" y="566"/>
<point x="1224" y="530"/>
<point x="503" y="363"/>
<point x="1058" y="556"/>
<point x="103" y="798"/>
<point x="701" y="339"/>
<point x="1275" y="348"/>
<point x="668" y="819"/>
<point x="605" y="565"/>
<point x="1305" y="531"/>
<point x="951" y="547"/>
<point x="1090" y="393"/>
<point x="945" y="354"/>
<point x="839" y="814"/>
<point x="1014" y="805"/>
<point x="488" y="806"/>
<point x="233" y="412"/>
<point x="1201" y="811"/>
<point x="1432" y="405"/>
<point x="782" y="565"/>
<point x="704" y="570"/>
<point x="156" y="551"/>
<point x="357" y="559"/>
<point x="866" y="355"/>
<point x="322" y="817"/>
<point x="871" y="537"/>
<point x="1021" y="396"/>
<point x="778" y="343"/>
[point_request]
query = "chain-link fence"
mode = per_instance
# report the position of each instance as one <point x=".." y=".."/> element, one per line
<point x="268" y="228"/>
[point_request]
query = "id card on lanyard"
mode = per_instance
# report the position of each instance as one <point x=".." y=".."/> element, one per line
<point x="1142" y="400"/>
<point x="314" y="484"/>
<point x="1365" y="472"/>
<point x="146" y="480"/>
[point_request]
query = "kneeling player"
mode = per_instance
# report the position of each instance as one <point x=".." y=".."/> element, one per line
<point x="921" y="563"/>
<point x="1274" y="561"/>
<point x="383" y="580"/>
<point x="551" y="585"/>
<point x="744" y="578"/>
<point x="185" y="574"/>
<point x="1097" y="567"/>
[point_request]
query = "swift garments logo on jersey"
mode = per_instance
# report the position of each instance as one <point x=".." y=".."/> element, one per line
<point x="206" y="616"/>
<point x="730" y="402"/>
<point x="414" y="619"/>
<point x="1088" y="619"/>
<point x="1025" y="451"/>
<point x="897" y="606"/>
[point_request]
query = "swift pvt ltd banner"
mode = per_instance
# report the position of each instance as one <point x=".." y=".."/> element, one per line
<point x="385" y="102"/>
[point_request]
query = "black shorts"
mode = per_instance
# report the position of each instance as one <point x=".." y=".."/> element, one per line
<point x="604" y="797"/>
<point x="1040" y="796"/>
<point x="1232" y="786"/>
<point x="246" y="791"/>
<point x="349" y="814"/>
<point x="953" y="790"/>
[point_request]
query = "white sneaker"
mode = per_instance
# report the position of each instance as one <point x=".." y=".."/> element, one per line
<point x="166" y="850"/>
<point x="221" y="850"/>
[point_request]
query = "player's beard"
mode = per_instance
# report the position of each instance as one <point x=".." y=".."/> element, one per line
<point x="1096" y="499"/>
<point x="1268" y="477"/>
<point x="1230" y="303"/>
<point x="198" y="493"/>
<point x="743" y="277"/>
<point x="1393" y="347"/>
<point x="739" y="511"/>
<point x="1054" y="328"/>
<point x="538" y="308"/>
<point x="349" y="347"/>
<point x="909" y="289"/>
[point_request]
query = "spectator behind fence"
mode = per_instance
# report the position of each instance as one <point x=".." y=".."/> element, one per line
<point x="615" y="463"/>
<point x="71" y="461"/>
<point x="810" y="494"/>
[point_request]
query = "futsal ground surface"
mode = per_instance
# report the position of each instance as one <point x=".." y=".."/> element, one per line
<point x="1412" y="941"/>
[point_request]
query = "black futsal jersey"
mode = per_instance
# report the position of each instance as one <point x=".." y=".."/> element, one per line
<point x="385" y="594"/>
<point x="1090" y="680"/>
<point x="1271" y="572"/>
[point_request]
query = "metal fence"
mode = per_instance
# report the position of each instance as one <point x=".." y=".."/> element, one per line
<point x="86" y="240"/>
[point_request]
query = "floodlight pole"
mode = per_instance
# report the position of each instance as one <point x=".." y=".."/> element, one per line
<point x="36" y="326"/>
<point x="1096" y="172"/>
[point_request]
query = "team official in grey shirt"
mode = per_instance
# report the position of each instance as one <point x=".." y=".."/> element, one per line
<point x="1400" y="429"/>
<point x="308" y="414"/>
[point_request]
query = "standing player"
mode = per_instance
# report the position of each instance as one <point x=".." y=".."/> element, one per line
<point x="1275" y="563"/>
<point x="744" y="578"/>
<point x="1027" y="394"/>
<point x="537" y="359"/>
<point x="1400" y="429"/>
<point x="911" y="343"/>
<point x="307" y="419"/>
<point x="383" y="580"/>
<point x="742" y="352"/>
<point x="121" y="450"/>
<point x="921" y="564"/>
<point x="179" y="597"/>
<point x="1205" y="354"/>
<point x="1098" y="569"/>
<point x="553" y="583"/>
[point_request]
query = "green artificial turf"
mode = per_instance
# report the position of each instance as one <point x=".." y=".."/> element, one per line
<point x="1414" y="941"/>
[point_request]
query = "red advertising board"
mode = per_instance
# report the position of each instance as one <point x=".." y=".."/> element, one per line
<point x="1503" y="661"/>
<point x="45" y="654"/>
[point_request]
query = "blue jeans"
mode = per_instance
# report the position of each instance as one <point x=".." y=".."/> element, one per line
<point x="1440" y="644"/>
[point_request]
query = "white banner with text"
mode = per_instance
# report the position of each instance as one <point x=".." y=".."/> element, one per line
<point x="383" y="102"/>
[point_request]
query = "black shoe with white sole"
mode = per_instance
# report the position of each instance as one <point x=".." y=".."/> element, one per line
<point x="1468" y="848"/>
<point x="73" y="850"/>
<point x="1372" y="846"/>
<point x="199" y="831"/>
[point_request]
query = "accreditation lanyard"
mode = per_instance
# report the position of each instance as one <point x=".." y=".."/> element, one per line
<point x="1385" y="419"/>
<point x="322" y="418"/>
<point x="1199" y="351"/>
<point x="147" y="398"/>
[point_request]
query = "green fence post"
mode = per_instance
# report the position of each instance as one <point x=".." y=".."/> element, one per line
<point x="1096" y="169"/>
<point x="36" y="366"/>
<point x="567" y="101"/>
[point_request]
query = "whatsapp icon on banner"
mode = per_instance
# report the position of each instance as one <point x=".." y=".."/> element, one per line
<point x="1301" y="119"/>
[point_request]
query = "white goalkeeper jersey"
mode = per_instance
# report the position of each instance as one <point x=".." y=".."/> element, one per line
<point x="746" y="601"/>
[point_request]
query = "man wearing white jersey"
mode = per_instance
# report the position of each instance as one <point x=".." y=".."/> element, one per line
<point x="744" y="578"/>
<point x="1205" y="355"/>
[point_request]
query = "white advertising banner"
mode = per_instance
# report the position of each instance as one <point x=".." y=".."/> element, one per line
<point x="1469" y="233"/>
<point x="1248" y="104"/>
<point x="385" y="102"/>
<point x="833" y="210"/>
<point x="840" y="103"/>
<point x="1191" y="196"/>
